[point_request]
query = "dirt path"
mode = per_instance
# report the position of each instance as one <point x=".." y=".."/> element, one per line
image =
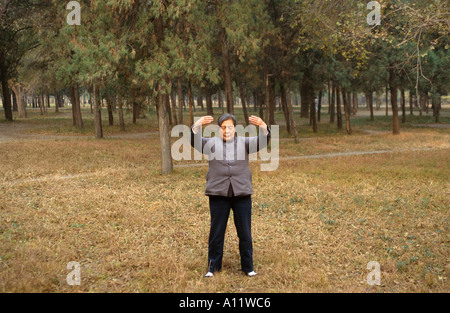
<point x="330" y="155"/>
<point x="19" y="131"/>
<point x="314" y="156"/>
<point x="447" y="126"/>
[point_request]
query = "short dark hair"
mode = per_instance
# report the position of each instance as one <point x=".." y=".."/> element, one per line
<point x="226" y="116"/>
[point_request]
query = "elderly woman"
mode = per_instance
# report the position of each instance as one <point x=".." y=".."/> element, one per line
<point x="229" y="185"/>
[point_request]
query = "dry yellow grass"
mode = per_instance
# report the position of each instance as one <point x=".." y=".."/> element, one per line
<point x="316" y="222"/>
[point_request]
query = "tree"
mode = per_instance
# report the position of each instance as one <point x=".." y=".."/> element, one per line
<point x="411" y="29"/>
<point x="17" y="37"/>
<point x="163" y="59"/>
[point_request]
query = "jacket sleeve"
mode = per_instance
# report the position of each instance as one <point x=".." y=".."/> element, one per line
<point x="254" y="144"/>
<point x="197" y="141"/>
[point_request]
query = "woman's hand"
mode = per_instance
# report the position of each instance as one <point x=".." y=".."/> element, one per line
<point x="255" y="120"/>
<point x="206" y="119"/>
<point x="202" y="121"/>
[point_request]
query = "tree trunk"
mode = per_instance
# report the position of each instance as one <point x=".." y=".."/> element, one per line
<point x="305" y="101"/>
<point x="244" y="106"/>
<point x="191" y="104"/>
<point x="5" y="89"/>
<point x="260" y="104"/>
<point x="347" y="108"/>
<point x="191" y="98"/>
<point x="209" y="104"/>
<point x="387" y="102"/>
<point x="219" y="99"/>
<point x="21" y="104"/>
<point x="174" y="109"/>
<point x="57" y="101"/>
<point x="163" y="123"/>
<point x="255" y="101"/>
<point x="313" y="120"/>
<point x="156" y="103"/>
<point x="332" y="104"/>
<point x="272" y="103"/>
<point x="97" y="114"/>
<point x="354" y="102"/>
<point x="319" y="105"/>
<point x="411" y="97"/>
<point x="14" y="100"/>
<point x="167" y="104"/>
<point x="90" y="103"/>
<point x="226" y="71"/>
<point x="291" y="113"/>
<point x="180" y="100"/>
<point x="423" y="99"/>
<point x="436" y="102"/>
<point x="134" y="109"/>
<point x="135" y="106"/>
<point x="110" y="111"/>
<point x="200" y="98"/>
<point x="393" y="89"/>
<point x="369" y="97"/>
<point x="41" y="107"/>
<point x="44" y="102"/>
<point x="284" y="107"/>
<point x="72" y="101"/>
<point x="338" y="108"/>
<point x="266" y="95"/>
<point x="76" y="109"/>
<point x="329" y="96"/>
<point x="402" y="90"/>
<point x="62" y="100"/>
<point x="377" y="100"/>
<point x="121" y="120"/>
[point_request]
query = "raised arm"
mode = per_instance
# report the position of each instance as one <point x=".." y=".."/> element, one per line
<point x="199" y="143"/>
<point x="254" y="144"/>
<point x="204" y="120"/>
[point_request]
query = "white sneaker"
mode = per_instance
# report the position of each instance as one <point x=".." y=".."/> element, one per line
<point x="252" y="273"/>
<point x="209" y="274"/>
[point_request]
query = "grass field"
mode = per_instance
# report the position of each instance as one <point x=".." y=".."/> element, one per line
<point x="317" y="222"/>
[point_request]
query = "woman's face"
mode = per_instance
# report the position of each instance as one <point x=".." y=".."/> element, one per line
<point x="227" y="130"/>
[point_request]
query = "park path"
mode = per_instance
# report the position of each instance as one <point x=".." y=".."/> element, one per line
<point x="330" y="155"/>
<point x="297" y="157"/>
<point x="17" y="132"/>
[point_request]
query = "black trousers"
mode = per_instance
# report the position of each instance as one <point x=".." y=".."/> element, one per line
<point x="219" y="207"/>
